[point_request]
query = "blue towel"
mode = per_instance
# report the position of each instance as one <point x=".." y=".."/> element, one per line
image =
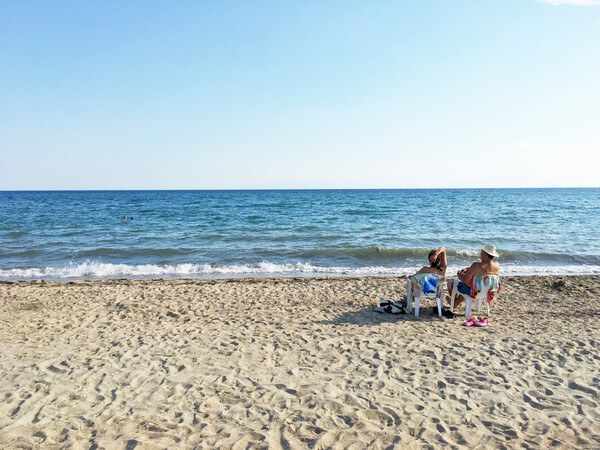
<point x="430" y="284"/>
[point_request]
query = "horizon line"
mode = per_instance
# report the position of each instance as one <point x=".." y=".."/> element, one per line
<point x="296" y="189"/>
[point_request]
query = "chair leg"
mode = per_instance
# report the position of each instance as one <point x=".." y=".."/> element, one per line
<point x="409" y="296"/>
<point x="417" y="304"/>
<point x="468" y="305"/>
<point x="488" y="308"/>
<point x="439" y="301"/>
<point x="479" y="307"/>
<point x="454" y="290"/>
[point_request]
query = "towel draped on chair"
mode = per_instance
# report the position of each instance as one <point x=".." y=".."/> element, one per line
<point x="426" y="282"/>
<point x="480" y="282"/>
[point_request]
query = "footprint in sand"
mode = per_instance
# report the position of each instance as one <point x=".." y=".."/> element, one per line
<point x="375" y="416"/>
<point x="333" y="407"/>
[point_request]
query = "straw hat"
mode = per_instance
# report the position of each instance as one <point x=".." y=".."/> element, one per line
<point x="490" y="249"/>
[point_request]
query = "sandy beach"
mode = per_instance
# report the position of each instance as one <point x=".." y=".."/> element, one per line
<point x="295" y="363"/>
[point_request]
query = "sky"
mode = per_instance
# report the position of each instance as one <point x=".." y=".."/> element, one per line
<point x="299" y="94"/>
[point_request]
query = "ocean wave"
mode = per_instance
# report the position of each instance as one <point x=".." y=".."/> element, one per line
<point x="369" y="252"/>
<point x="134" y="252"/>
<point x="108" y="270"/>
<point x="99" y="270"/>
<point x="464" y="255"/>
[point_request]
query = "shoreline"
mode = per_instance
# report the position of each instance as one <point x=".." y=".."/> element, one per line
<point x="255" y="279"/>
<point x="295" y="363"/>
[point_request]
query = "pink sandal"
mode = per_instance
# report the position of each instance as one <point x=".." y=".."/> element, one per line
<point x="469" y="322"/>
<point x="482" y="323"/>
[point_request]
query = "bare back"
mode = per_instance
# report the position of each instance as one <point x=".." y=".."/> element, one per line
<point x="481" y="268"/>
<point x="433" y="270"/>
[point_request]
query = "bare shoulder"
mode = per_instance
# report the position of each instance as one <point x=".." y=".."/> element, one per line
<point x="476" y="266"/>
<point x="491" y="268"/>
<point x="426" y="270"/>
<point x="476" y="269"/>
<point x="495" y="267"/>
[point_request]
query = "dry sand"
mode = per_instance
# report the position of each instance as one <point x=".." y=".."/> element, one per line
<point x="294" y="363"/>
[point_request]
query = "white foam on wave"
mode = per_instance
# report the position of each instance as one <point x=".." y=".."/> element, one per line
<point x="98" y="270"/>
<point x="550" y="270"/>
<point x="468" y="252"/>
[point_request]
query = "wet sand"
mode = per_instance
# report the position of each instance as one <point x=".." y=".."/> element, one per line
<point x="295" y="363"/>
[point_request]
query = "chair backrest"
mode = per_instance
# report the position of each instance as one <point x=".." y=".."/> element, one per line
<point x="420" y="281"/>
<point x="440" y="285"/>
<point x="486" y="282"/>
<point x="484" y="291"/>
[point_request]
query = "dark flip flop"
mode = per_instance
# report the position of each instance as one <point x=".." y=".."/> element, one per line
<point x="394" y="309"/>
<point x="447" y="313"/>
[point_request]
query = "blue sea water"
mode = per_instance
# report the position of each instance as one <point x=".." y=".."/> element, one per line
<point x="204" y="234"/>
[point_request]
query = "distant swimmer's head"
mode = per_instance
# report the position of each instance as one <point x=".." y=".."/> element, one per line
<point x="488" y="252"/>
<point x="131" y="218"/>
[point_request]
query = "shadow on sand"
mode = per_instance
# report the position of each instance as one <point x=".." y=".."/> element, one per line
<point x="368" y="317"/>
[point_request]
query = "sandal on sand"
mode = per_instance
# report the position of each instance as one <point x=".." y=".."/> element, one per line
<point x="382" y="305"/>
<point x="447" y="313"/>
<point x="482" y="323"/>
<point x="469" y="322"/>
<point x="391" y="308"/>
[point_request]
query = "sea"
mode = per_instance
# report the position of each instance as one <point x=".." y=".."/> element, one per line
<point x="81" y="235"/>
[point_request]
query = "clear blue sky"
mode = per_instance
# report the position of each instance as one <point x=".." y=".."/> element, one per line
<point x="299" y="94"/>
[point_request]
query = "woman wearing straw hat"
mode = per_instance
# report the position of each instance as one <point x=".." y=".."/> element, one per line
<point x="487" y="266"/>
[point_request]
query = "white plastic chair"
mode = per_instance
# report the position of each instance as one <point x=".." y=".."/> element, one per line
<point x="481" y="296"/>
<point x="438" y="295"/>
